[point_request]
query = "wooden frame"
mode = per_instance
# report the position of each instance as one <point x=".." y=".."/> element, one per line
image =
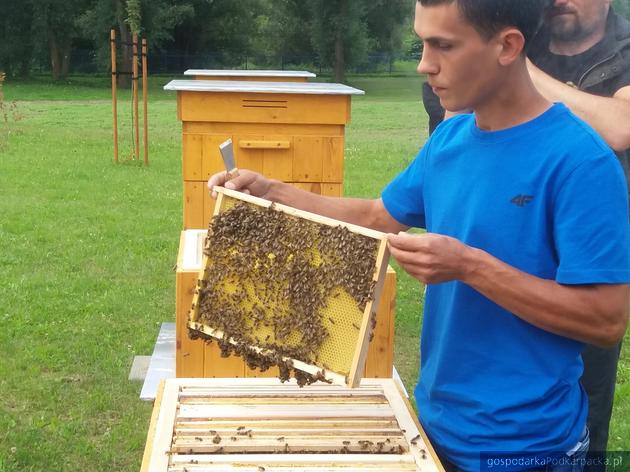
<point x="261" y="413"/>
<point x="360" y="352"/>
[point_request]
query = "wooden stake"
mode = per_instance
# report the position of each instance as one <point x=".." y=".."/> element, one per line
<point x="134" y="91"/>
<point x="112" y="39"/>
<point x="145" y="92"/>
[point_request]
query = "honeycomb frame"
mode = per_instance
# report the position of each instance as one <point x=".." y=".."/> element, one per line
<point x="351" y="346"/>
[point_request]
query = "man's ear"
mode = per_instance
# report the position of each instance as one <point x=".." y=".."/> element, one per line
<point x="511" y="43"/>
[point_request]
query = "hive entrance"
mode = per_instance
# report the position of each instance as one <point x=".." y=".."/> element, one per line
<point x="288" y="288"/>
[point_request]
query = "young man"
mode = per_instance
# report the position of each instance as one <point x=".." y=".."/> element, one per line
<point x="524" y="258"/>
<point x="582" y="58"/>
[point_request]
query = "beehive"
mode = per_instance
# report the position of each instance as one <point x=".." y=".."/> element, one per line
<point x="303" y="294"/>
<point x="254" y="425"/>
<point x="290" y="131"/>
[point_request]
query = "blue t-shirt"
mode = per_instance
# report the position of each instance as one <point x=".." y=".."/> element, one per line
<point x="547" y="197"/>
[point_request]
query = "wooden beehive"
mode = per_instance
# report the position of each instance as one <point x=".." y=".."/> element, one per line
<point x="254" y="425"/>
<point x="305" y="295"/>
<point x="195" y="358"/>
<point x="293" y="132"/>
<point x="250" y="75"/>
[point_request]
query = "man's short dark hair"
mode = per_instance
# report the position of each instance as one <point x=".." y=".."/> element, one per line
<point x="488" y="17"/>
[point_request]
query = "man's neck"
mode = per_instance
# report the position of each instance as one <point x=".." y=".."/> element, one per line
<point x="516" y="102"/>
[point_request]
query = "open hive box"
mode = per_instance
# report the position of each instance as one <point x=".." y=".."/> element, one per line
<point x="261" y="425"/>
<point x="284" y="287"/>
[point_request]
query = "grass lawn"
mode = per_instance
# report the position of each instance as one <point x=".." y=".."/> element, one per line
<point x="87" y="255"/>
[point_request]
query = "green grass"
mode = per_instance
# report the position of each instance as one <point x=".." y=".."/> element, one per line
<point x="86" y="256"/>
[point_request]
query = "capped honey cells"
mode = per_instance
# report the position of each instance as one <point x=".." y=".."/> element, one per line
<point x="283" y="287"/>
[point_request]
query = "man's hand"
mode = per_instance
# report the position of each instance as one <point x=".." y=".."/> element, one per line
<point x="247" y="181"/>
<point x="430" y="258"/>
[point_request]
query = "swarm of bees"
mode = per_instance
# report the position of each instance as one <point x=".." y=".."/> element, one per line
<point x="268" y="280"/>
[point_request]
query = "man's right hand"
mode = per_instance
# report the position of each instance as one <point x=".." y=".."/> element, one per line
<point x="247" y="181"/>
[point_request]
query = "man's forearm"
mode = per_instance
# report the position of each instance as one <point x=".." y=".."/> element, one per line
<point x="604" y="114"/>
<point x="362" y="212"/>
<point x="595" y="314"/>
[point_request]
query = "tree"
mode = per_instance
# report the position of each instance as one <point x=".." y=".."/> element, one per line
<point x="339" y="33"/>
<point x="155" y="19"/>
<point x="287" y="28"/>
<point x="385" y="19"/>
<point x="16" y="46"/>
<point x="56" y="20"/>
<point x="226" y="26"/>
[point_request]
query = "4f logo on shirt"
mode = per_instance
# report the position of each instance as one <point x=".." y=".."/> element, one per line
<point x="522" y="200"/>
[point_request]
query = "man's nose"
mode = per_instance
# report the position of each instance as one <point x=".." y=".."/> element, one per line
<point x="426" y="64"/>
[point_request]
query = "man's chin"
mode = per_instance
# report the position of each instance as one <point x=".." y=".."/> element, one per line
<point x="564" y="29"/>
<point x="450" y="105"/>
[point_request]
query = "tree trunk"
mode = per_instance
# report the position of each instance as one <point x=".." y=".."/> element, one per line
<point x="124" y="80"/>
<point x="340" y="63"/>
<point x="55" y="55"/>
<point x="65" y="60"/>
<point x="340" y="59"/>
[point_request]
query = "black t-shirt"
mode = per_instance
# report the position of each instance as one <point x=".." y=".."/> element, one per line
<point x="432" y="106"/>
<point x="568" y="69"/>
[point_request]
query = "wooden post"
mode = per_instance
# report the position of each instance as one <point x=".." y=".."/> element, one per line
<point x="112" y="39"/>
<point x="145" y="93"/>
<point x="134" y="91"/>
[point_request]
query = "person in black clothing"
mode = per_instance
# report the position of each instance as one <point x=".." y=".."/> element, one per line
<point x="581" y="57"/>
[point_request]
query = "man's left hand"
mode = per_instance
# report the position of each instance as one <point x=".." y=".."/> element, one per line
<point x="430" y="258"/>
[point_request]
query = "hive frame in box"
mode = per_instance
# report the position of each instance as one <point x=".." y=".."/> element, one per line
<point x="194" y="411"/>
<point x="357" y="365"/>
